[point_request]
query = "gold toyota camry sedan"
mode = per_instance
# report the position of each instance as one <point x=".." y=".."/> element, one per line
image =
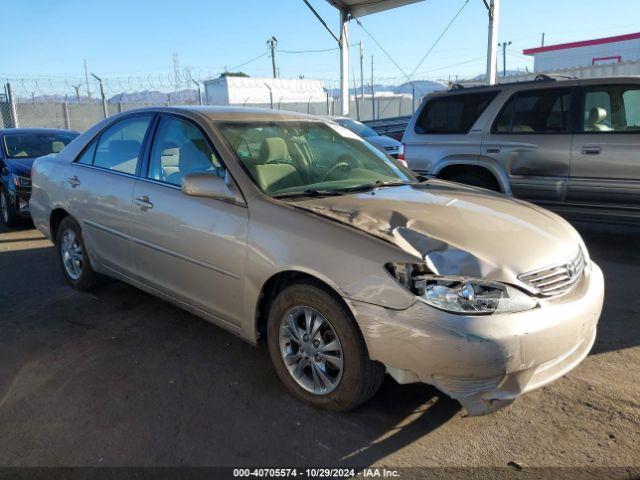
<point x="291" y="229"/>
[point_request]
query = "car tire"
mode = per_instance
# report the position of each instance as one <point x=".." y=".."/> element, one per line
<point x="73" y="258"/>
<point x="476" y="179"/>
<point x="8" y="213"/>
<point x="359" y="378"/>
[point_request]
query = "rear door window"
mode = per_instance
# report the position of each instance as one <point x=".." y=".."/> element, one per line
<point x="453" y="114"/>
<point x="611" y="109"/>
<point x="536" y="111"/>
<point x="120" y="146"/>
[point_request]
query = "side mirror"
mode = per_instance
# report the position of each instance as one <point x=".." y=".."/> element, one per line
<point x="209" y="185"/>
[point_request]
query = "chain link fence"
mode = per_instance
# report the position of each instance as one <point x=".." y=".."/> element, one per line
<point x="78" y="103"/>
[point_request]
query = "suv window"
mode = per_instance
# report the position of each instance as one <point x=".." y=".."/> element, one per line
<point x="611" y="109"/>
<point x="454" y="113"/>
<point x="180" y="148"/>
<point x="119" y="146"/>
<point x="535" y="111"/>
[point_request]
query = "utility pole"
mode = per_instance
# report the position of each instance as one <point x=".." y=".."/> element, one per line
<point x="86" y="81"/>
<point x="343" y="43"/>
<point x="361" y="74"/>
<point x="493" y="7"/>
<point x="373" y="95"/>
<point x="504" y="46"/>
<point x="272" y="42"/>
<point x="542" y="42"/>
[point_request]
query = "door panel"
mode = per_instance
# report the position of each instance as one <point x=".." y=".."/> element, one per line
<point x="605" y="167"/>
<point x="190" y="248"/>
<point x="100" y="187"/>
<point x="101" y="201"/>
<point x="531" y="141"/>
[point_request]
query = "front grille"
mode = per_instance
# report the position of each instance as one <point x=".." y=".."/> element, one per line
<point x="556" y="280"/>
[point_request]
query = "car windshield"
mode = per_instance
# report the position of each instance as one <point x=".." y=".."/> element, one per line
<point x="357" y="127"/>
<point x="288" y="158"/>
<point x="30" y="145"/>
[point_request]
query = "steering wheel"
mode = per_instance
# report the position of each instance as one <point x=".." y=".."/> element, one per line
<point x="340" y="166"/>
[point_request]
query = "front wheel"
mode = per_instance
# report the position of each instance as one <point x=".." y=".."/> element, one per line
<point x="318" y="351"/>
<point x="73" y="257"/>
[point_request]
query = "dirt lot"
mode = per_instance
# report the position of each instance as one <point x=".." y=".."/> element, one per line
<point x="117" y="377"/>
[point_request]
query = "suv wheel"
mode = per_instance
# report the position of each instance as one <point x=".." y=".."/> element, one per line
<point x="317" y="350"/>
<point x="476" y="179"/>
<point x="7" y="210"/>
<point x="72" y="256"/>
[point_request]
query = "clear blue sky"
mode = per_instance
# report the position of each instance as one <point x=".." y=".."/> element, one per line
<point x="138" y="37"/>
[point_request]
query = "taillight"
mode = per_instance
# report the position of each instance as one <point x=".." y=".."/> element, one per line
<point x="400" y="156"/>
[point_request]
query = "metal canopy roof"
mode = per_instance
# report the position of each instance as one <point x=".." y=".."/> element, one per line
<point x="360" y="8"/>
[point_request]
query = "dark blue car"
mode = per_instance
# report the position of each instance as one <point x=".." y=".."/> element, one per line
<point x="19" y="147"/>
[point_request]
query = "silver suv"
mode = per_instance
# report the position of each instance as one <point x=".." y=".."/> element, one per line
<point x="567" y="144"/>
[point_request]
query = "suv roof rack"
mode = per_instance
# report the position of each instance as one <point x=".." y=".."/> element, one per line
<point x="553" y="77"/>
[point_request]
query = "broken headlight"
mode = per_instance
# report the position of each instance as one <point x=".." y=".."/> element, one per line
<point x="464" y="295"/>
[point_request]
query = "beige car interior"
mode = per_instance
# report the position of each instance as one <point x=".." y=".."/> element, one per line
<point x="274" y="169"/>
<point x="595" y="122"/>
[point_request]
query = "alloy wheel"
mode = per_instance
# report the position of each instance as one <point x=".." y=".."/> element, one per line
<point x="311" y="350"/>
<point x="71" y="253"/>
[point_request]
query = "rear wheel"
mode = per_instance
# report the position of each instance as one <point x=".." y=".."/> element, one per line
<point x="318" y="351"/>
<point x="8" y="212"/>
<point x="73" y="258"/>
<point x="476" y="179"/>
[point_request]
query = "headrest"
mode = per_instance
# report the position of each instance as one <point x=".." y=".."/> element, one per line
<point x="126" y="148"/>
<point x="192" y="158"/>
<point x="273" y="149"/>
<point x="57" y="146"/>
<point x="597" y="115"/>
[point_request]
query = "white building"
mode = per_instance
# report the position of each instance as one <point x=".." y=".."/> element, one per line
<point x="253" y="90"/>
<point x="610" y="50"/>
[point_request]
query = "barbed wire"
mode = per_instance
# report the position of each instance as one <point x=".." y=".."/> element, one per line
<point x="44" y="89"/>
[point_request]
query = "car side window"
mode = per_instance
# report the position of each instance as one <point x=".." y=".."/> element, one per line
<point x="179" y="148"/>
<point x="119" y="147"/>
<point x="87" y="157"/>
<point x="611" y="109"/>
<point x="453" y="114"/>
<point x="536" y="111"/>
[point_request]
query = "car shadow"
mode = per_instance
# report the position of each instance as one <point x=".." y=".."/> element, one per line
<point x="118" y="377"/>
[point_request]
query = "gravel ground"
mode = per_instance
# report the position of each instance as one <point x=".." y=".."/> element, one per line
<point x="119" y="378"/>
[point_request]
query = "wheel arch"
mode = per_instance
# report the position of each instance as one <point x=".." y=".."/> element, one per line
<point x="56" y="216"/>
<point x="488" y="165"/>
<point x="278" y="282"/>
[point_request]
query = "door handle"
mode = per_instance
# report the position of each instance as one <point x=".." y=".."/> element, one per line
<point x="144" y="203"/>
<point x="493" y="149"/>
<point x="591" y="150"/>
<point x="73" y="181"/>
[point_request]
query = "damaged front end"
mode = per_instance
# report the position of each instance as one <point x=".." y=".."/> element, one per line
<point x="474" y="330"/>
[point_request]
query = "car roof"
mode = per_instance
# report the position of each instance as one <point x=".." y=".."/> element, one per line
<point x="35" y="130"/>
<point x="549" y="81"/>
<point x="230" y="113"/>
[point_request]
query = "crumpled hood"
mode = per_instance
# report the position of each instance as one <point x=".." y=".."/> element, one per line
<point x="21" y="166"/>
<point x="457" y="230"/>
